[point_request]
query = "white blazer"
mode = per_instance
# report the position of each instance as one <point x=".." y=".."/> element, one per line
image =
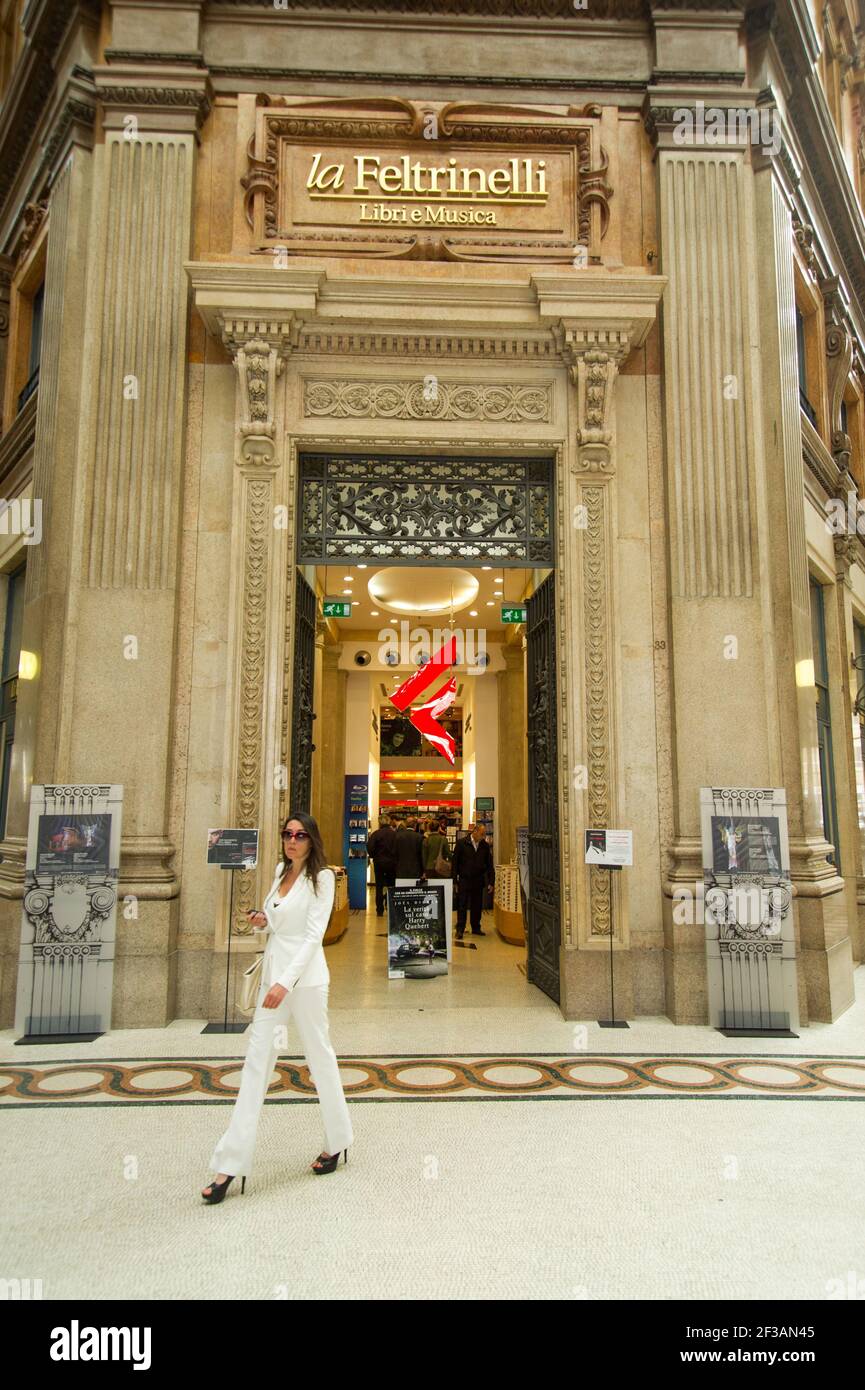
<point x="296" y="925"/>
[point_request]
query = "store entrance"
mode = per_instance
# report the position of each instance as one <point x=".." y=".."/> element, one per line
<point x="476" y="745"/>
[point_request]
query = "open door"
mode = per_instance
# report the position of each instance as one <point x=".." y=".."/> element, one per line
<point x="302" y="713"/>
<point x="544" y="900"/>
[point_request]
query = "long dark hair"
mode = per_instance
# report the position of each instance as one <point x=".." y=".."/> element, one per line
<point x="316" y="860"/>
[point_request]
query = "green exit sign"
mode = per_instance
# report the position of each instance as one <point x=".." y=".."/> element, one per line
<point x="514" y="615"/>
<point x="336" y="608"/>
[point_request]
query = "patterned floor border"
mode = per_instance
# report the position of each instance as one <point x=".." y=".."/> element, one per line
<point x="442" y="1077"/>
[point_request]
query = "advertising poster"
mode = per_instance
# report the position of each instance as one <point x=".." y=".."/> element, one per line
<point x="609" y="848"/>
<point x="747" y="916"/>
<point x="233" y="849"/>
<point x="73" y="844"/>
<point x="416" y="942"/>
<point x="69" y="911"/>
<point x="354" y="837"/>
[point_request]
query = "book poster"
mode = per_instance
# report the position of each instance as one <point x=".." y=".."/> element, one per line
<point x="417" y="942"/>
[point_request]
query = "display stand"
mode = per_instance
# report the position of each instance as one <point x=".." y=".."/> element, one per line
<point x="612" y="1021"/>
<point x="225" y="1026"/>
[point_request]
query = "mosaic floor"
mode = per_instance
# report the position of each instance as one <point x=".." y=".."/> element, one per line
<point x="154" y="1080"/>
<point x="444" y="1191"/>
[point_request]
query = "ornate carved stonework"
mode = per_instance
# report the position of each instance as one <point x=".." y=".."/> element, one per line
<point x="34" y="216"/>
<point x="516" y="9"/>
<point x="593" y="357"/>
<point x="528" y="347"/>
<point x="429" y="398"/>
<point x="839" y="358"/>
<point x="595" y="561"/>
<point x="846" y="552"/>
<point x="249" y="771"/>
<point x="259" y="351"/>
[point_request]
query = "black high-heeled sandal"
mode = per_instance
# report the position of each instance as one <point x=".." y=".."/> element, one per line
<point x="219" y="1189"/>
<point x="328" y="1162"/>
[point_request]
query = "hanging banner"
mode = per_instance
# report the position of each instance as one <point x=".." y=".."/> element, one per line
<point x="69" y="911"/>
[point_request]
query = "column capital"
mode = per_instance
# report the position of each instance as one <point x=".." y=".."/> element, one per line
<point x="164" y="98"/>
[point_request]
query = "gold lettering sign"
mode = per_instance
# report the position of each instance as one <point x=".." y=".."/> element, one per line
<point x="495" y="182"/>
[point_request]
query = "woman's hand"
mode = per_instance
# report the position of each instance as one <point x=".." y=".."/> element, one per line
<point x="274" y="996"/>
<point x="258" y="920"/>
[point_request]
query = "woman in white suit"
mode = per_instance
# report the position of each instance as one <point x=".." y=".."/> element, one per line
<point x="294" y="983"/>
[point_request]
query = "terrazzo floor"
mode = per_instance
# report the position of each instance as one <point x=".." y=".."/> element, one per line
<point x="692" y="1166"/>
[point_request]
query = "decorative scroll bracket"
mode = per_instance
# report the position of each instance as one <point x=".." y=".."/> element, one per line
<point x="259" y="350"/>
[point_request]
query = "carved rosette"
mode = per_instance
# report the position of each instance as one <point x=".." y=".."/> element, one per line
<point x="593" y="358"/>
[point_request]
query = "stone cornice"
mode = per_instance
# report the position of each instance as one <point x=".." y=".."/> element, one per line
<point x="520" y="306"/>
<point x="447" y="9"/>
<point x="164" y="98"/>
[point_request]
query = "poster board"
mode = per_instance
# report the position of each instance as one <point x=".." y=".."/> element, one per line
<point x="747" y="912"/>
<point x="417" y="936"/>
<point x="69" y="910"/>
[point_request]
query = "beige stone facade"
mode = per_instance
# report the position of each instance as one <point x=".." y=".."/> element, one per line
<point x="205" y="319"/>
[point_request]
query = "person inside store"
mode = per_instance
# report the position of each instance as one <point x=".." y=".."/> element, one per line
<point x="436" y="852"/>
<point x="473" y="869"/>
<point x="381" y="848"/>
<point x="409" y="851"/>
<point x="294" y="984"/>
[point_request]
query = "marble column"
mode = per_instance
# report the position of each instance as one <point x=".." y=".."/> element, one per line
<point x="824" y="904"/>
<point x="122" y="530"/>
<point x="740" y="616"/>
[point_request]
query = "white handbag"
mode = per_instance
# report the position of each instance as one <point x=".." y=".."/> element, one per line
<point x="250" y="983"/>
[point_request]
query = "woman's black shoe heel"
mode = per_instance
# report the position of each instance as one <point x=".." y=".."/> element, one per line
<point x="219" y="1189"/>
<point x="328" y="1164"/>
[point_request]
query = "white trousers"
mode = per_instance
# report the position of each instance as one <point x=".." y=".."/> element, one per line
<point x="307" y="1005"/>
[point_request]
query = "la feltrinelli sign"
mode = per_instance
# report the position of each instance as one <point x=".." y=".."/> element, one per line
<point x="461" y="182"/>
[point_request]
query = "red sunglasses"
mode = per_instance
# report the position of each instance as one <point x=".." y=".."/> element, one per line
<point x="295" y="835"/>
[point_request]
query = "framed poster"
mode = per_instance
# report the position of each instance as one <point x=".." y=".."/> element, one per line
<point x="73" y="844"/>
<point x="416" y="942"/>
<point x="609" y="848"/>
<point x="747" y="910"/>
<point x="233" y="849"/>
<point x="69" y="911"/>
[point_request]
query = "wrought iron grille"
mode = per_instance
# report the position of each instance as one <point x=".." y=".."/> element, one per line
<point x="409" y="509"/>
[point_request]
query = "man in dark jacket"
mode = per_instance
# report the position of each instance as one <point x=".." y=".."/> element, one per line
<point x="381" y="848"/>
<point x="473" y="869"/>
<point x="409" y="851"/>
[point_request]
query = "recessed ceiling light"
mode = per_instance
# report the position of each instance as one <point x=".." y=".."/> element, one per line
<point x="490" y="603"/>
<point x="347" y="591"/>
<point x="486" y="567"/>
<point x="361" y="567"/>
<point x="348" y="579"/>
<point x="374" y="612"/>
<point x="473" y="612"/>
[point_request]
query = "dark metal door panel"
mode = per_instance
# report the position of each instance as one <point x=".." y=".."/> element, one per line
<point x="544" y="901"/>
<point x="302" y="713"/>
